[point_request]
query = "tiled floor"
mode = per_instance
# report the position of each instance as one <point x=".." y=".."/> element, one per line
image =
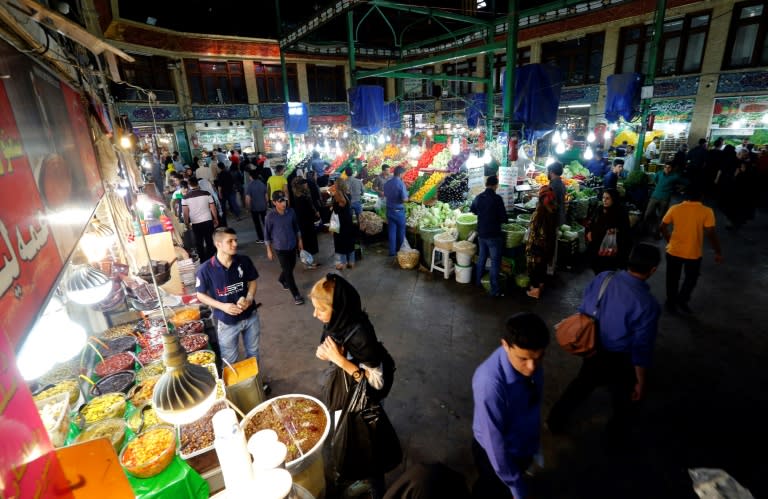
<point x="706" y="405"/>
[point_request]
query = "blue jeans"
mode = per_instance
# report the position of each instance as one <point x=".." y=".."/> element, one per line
<point x="343" y="259"/>
<point x="357" y="207"/>
<point x="490" y="246"/>
<point x="229" y="334"/>
<point x="231" y="199"/>
<point x="396" y="229"/>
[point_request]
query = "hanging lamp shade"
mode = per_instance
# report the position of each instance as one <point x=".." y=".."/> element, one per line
<point x="87" y="285"/>
<point x="186" y="391"/>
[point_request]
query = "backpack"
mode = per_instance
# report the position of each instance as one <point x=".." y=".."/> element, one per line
<point x="577" y="333"/>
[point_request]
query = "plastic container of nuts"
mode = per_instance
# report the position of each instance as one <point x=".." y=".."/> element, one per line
<point x="111" y="405"/>
<point x="197" y="438"/>
<point x="149" y="453"/>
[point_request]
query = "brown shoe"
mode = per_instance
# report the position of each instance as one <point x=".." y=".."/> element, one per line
<point x="350" y="265"/>
<point x="339" y="266"/>
<point x="534" y="293"/>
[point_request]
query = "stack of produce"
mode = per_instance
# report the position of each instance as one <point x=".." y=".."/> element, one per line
<point x="428" y="191"/>
<point x="439" y="215"/>
<point x="390" y="151"/>
<point x="426" y="159"/>
<point x="441" y="159"/>
<point x="576" y="171"/>
<point x="370" y="223"/>
<point x="456" y="162"/>
<point x="454" y="190"/>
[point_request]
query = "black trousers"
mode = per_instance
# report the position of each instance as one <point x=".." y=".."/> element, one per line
<point x="258" y="222"/>
<point x="488" y="484"/>
<point x="287" y="259"/>
<point x="611" y="369"/>
<point x="204" y="239"/>
<point x="675" y="267"/>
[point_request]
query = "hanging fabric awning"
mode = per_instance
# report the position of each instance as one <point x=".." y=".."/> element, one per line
<point x="366" y="108"/>
<point x="296" y="117"/>
<point x="623" y="96"/>
<point x="537" y="97"/>
<point x="477" y="107"/>
<point x="394" y="121"/>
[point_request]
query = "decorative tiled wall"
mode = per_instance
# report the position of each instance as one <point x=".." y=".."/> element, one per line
<point x="750" y="81"/>
<point x="138" y="113"/>
<point x="235" y="111"/>
<point x="676" y="87"/>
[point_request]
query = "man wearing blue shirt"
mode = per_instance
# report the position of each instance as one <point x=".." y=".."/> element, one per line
<point x="611" y="179"/>
<point x="396" y="194"/>
<point x="226" y="282"/>
<point x="283" y="237"/>
<point x="491" y="213"/>
<point x="507" y="390"/>
<point x="627" y="320"/>
<point x="597" y="166"/>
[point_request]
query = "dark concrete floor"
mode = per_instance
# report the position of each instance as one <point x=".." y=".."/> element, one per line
<point x="706" y="404"/>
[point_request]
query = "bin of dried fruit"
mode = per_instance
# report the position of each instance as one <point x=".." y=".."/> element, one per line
<point x="201" y="357"/>
<point x="111" y="405"/>
<point x="141" y="393"/>
<point x="192" y="327"/>
<point x="184" y="315"/>
<point x="197" y="438"/>
<point x="69" y="386"/>
<point x="152" y="369"/>
<point x="150" y="452"/>
<point x="112" y="429"/>
<point x="54" y="412"/>
<point x="119" y="362"/>
<point x="144" y="417"/>
<point x="121" y="381"/>
<point x="147" y="355"/>
<point x="194" y="342"/>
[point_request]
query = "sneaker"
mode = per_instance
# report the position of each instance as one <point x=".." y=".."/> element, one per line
<point x="284" y="285"/>
<point x="259" y="241"/>
<point x="298" y="300"/>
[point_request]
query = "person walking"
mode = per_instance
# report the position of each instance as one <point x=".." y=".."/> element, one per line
<point x="226" y="186"/>
<point x="507" y="390"/>
<point x="350" y="344"/>
<point x="611" y="179"/>
<point x="395" y="194"/>
<point x="356" y="190"/>
<point x="627" y="320"/>
<point x="226" y="282"/>
<point x="200" y="215"/>
<point x="318" y="166"/>
<point x="344" y="239"/>
<point x="491" y="213"/>
<point x="277" y="182"/>
<point x="540" y="247"/>
<point x="667" y="181"/>
<point x="611" y="218"/>
<point x="257" y="202"/>
<point x="283" y="237"/>
<point x="307" y="214"/>
<point x="690" y="221"/>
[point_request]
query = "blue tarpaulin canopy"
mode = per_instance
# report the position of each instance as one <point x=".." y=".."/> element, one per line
<point x="537" y="97"/>
<point x="623" y="97"/>
<point x="393" y="115"/>
<point x="366" y="108"/>
<point x="477" y="107"/>
<point x="296" y="117"/>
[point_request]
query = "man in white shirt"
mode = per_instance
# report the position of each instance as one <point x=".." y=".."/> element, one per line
<point x="652" y="151"/>
<point x="200" y="213"/>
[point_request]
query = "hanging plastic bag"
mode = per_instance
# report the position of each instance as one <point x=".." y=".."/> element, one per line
<point x="609" y="246"/>
<point x="365" y="442"/>
<point x="405" y="246"/>
<point x="335" y="225"/>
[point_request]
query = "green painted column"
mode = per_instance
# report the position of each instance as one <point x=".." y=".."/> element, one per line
<point x="658" y="28"/>
<point x="513" y="20"/>
<point x="351" y="49"/>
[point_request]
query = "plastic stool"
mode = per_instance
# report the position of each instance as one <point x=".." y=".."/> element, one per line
<point x="441" y="260"/>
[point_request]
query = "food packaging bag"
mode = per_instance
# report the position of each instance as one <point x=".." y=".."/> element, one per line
<point x="244" y="388"/>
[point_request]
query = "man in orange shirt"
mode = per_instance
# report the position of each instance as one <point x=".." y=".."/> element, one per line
<point x="691" y="220"/>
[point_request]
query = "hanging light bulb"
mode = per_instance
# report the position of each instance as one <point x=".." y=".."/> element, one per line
<point x="404" y="150"/>
<point x="369" y="147"/>
<point x="455" y="147"/>
<point x="550" y="160"/>
<point x="588" y="153"/>
<point x="591" y="137"/>
<point x="564" y="135"/>
<point x="415" y="152"/>
<point x="381" y="140"/>
<point x="487" y="158"/>
<point x="429" y="133"/>
<point x="345" y="135"/>
<point x="560" y="148"/>
<point x="407" y="132"/>
<point x="555" y="138"/>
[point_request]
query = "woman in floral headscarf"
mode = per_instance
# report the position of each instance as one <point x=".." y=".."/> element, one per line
<point x="540" y="247"/>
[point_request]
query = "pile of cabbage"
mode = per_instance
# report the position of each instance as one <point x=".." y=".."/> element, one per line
<point x="431" y="217"/>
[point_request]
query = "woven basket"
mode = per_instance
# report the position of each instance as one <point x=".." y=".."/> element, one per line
<point x="408" y="259"/>
<point x="445" y="241"/>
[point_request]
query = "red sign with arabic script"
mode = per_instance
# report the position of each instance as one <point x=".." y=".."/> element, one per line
<point x="29" y="259"/>
<point x="28" y="464"/>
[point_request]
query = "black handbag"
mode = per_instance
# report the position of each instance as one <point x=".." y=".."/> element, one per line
<point x="365" y="442"/>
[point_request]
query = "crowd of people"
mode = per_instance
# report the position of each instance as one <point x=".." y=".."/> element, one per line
<point x="507" y="386"/>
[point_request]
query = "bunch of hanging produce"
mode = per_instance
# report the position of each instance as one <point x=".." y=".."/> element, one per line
<point x="454" y="190"/>
<point x="456" y="162"/>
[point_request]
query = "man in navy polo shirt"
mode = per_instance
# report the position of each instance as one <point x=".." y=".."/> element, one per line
<point x="226" y="282"/>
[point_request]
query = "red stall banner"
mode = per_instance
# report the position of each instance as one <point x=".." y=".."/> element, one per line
<point x="28" y="464"/>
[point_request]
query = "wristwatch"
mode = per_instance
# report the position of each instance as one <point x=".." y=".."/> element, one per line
<point x="357" y="375"/>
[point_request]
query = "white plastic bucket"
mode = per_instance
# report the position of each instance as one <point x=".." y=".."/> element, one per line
<point x="463" y="273"/>
<point x="463" y="259"/>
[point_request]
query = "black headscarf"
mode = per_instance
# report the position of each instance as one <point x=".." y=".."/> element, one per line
<point x="347" y="309"/>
